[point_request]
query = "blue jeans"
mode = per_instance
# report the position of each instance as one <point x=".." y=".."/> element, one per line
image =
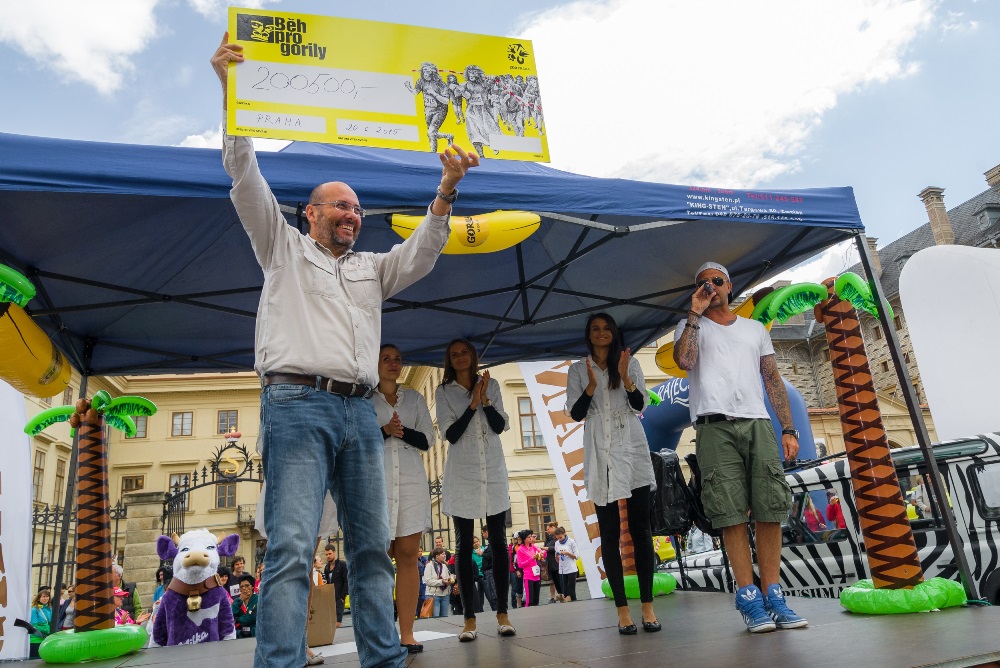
<point x="313" y="441"/>
<point x="441" y="604"/>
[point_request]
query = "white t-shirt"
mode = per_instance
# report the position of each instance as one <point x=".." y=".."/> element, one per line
<point x="726" y="378"/>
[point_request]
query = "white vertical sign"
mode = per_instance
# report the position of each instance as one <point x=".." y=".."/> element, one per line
<point x="15" y="523"/>
<point x="546" y="383"/>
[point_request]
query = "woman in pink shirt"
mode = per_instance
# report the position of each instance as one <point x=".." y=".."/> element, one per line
<point x="529" y="560"/>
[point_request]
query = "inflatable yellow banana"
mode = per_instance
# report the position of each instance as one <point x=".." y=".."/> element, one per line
<point x="29" y="361"/>
<point x="483" y="233"/>
<point x="665" y="353"/>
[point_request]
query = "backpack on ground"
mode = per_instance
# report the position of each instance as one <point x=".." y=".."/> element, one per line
<point x="671" y="507"/>
<point x="698" y="515"/>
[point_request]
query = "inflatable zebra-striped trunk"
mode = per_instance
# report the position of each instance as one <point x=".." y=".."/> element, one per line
<point x="892" y="554"/>
<point x="95" y="604"/>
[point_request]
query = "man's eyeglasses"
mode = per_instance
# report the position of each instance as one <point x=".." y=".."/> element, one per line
<point x="718" y="281"/>
<point x="344" y="206"/>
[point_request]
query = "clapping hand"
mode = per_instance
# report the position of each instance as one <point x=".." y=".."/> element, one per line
<point x="591" y="379"/>
<point x="623" y="363"/>
<point x="395" y="427"/>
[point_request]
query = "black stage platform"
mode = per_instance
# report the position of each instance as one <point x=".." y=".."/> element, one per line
<point x="699" y="629"/>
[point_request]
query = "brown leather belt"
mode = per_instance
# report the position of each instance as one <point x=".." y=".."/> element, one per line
<point x="319" y="382"/>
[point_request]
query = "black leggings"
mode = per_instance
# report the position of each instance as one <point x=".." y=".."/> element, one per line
<point x="532" y="592"/>
<point x="642" y="540"/>
<point x="569" y="585"/>
<point x="497" y="525"/>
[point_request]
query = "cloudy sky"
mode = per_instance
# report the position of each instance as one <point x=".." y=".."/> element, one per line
<point x="887" y="96"/>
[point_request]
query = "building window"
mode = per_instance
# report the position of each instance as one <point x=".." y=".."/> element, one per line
<point x="182" y="424"/>
<point x="38" y="475"/>
<point x="133" y="483"/>
<point x="884" y="365"/>
<point x="45" y="400"/>
<point x="178" y="482"/>
<point x="227" y="421"/>
<point x="877" y="333"/>
<point x="67" y="396"/>
<point x="541" y="511"/>
<point x="225" y="495"/>
<point x="531" y="437"/>
<point x="140" y="426"/>
<point x="57" y="497"/>
<point x="898" y="322"/>
<point x="826" y="354"/>
<point x="795" y="368"/>
<point x="916" y="391"/>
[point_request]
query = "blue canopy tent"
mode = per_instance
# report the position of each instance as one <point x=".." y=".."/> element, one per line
<point x="143" y="267"/>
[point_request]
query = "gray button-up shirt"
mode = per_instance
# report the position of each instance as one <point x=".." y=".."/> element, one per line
<point x="615" y="451"/>
<point x="319" y="314"/>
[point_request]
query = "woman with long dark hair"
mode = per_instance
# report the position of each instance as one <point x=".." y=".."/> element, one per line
<point x="408" y="430"/>
<point x="609" y="390"/>
<point x="470" y="416"/>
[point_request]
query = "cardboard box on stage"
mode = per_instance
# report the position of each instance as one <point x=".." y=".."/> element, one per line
<point x="321" y="624"/>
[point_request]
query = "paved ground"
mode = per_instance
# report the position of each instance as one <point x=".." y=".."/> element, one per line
<point x="699" y="629"/>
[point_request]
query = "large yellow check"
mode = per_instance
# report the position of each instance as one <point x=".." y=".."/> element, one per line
<point x="366" y="83"/>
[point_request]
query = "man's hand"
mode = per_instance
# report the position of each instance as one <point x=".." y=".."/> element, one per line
<point x="225" y="54"/>
<point x="701" y="299"/>
<point x="455" y="163"/>
<point x="790" y="445"/>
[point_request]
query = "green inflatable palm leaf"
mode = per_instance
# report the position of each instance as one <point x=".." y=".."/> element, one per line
<point x="14" y="287"/>
<point x="100" y="400"/>
<point x="789" y="301"/>
<point x="851" y="287"/>
<point x="130" y="406"/>
<point x="47" y="418"/>
<point x="121" y="423"/>
<point x="654" y="398"/>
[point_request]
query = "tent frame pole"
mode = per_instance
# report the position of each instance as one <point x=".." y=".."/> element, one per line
<point x="916" y="417"/>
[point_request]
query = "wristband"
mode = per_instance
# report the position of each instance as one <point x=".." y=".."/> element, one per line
<point x="450" y="199"/>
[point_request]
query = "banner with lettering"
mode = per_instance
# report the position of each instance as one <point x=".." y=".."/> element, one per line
<point x="368" y="83"/>
<point x="546" y="382"/>
<point x="15" y="524"/>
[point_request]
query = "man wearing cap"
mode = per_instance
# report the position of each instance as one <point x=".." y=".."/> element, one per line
<point x="317" y="338"/>
<point x="725" y="357"/>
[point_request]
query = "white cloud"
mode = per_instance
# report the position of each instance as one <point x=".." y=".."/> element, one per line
<point x="216" y="8"/>
<point x="955" y="22"/>
<point x="727" y="92"/>
<point x="831" y="262"/>
<point x="213" y="139"/>
<point x="91" y="41"/>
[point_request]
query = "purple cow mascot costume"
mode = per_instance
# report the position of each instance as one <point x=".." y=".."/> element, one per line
<point x="195" y="607"/>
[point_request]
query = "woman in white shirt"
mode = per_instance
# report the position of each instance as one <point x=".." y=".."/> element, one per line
<point x="408" y="430"/>
<point x="609" y="390"/>
<point x="470" y="416"/>
<point x="566" y="554"/>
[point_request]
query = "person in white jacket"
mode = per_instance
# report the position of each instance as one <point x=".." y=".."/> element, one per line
<point x="408" y="430"/>
<point x="608" y="389"/>
<point x="438" y="580"/>
<point x="470" y="416"/>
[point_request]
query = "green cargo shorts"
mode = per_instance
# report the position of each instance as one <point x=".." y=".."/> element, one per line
<point x="740" y="472"/>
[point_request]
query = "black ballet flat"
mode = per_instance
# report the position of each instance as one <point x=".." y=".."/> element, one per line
<point x="651" y="627"/>
<point x="414" y="648"/>
<point x="629" y="630"/>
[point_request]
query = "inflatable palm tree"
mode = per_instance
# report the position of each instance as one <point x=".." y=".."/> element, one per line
<point x="95" y="606"/>
<point x="892" y="554"/>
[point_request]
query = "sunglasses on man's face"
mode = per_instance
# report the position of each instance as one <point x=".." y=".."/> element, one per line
<point x="718" y="281"/>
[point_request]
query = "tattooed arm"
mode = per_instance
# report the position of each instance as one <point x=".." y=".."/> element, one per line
<point x="779" y="402"/>
<point x="686" y="349"/>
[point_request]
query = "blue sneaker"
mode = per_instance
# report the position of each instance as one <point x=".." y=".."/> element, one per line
<point x="779" y="611"/>
<point x="750" y="603"/>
